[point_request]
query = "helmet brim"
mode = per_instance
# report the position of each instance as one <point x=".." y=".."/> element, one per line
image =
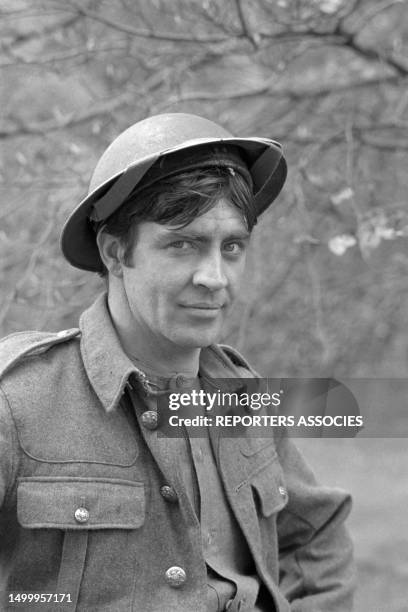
<point x="263" y="157"/>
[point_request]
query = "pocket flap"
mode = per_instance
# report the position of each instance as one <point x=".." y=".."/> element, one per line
<point x="250" y="446"/>
<point x="80" y="503"/>
<point x="270" y="487"/>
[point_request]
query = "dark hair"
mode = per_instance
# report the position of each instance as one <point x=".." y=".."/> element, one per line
<point x="177" y="200"/>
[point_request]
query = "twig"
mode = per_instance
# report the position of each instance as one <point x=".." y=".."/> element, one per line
<point x="102" y="108"/>
<point x="60" y="57"/>
<point x="315" y="287"/>
<point x="271" y="88"/>
<point x="22" y="38"/>
<point x="359" y="132"/>
<point x="253" y="38"/>
<point x="372" y="12"/>
<point x="29" y="269"/>
<point x="382" y="143"/>
<point x="72" y="119"/>
<point x="369" y="53"/>
<point x="142" y="33"/>
<point x="349" y="170"/>
<point x="11" y="209"/>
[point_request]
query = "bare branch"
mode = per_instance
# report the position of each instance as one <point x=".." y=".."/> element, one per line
<point x="97" y="110"/>
<point x="70" y="120"/>
<point x="372" y="12"/>
<point x="17" y="14"/>
<point x="142" y="33"/>
<point x="12" y="209"/>
<point x="364" y="134"/>
<point x="26" y="14"/>
<point x="270" y="88"/>
<point x="350" y="40"/>
<point x="253" y="38"/>
<point x="340" y="36"/>
<point x="22" y="38"/>
<point x="389" y="144"/>
<point x="349" y="180"/>
<point x="61" y="57"/>
<point x="29" y="269"/>
<point x="349" y="9"/>
<point x="314" y="282"/>
<point x="210" y="18"/>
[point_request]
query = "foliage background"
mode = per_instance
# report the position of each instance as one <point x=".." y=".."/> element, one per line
<point x="326" y="292"/>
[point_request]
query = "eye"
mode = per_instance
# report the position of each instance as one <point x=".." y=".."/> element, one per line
<point x="182" y="245"/>
<point x="234" y="248"/>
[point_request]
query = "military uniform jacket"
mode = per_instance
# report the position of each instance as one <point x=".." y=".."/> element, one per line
<point x="81" y="489"/>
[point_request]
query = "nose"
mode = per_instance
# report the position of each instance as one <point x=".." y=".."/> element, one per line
<point x="210" y="273"/>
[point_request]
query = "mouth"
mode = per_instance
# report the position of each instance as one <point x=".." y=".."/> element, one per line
<point x="203" y="310"/>
<point x="203" y="306"/>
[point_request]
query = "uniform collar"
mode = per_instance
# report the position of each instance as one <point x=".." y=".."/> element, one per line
<point x="109" y="368"/>
<point x="106" y="364"/>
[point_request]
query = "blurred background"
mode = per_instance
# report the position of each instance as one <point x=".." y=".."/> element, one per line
<point x="326" y="292"/>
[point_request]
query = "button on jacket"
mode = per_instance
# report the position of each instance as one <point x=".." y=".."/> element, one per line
<point x="90" y="505"/>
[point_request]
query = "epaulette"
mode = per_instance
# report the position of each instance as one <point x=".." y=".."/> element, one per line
<point x="237" y="359"/>
<point x="15" y="347"/>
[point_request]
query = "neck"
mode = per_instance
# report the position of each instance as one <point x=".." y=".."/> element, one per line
<point x="138" y="342"/>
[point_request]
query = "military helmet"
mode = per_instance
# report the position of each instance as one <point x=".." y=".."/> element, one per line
<point x="160" y="146"/>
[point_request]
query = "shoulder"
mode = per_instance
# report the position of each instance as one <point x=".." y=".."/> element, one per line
<point x="239" y="362"/>
<point x="21" y="346"/>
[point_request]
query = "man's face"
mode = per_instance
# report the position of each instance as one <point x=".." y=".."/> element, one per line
<point x="182" y="282"/>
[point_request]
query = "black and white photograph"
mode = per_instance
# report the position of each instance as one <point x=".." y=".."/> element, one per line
<point x="204" y="305"/>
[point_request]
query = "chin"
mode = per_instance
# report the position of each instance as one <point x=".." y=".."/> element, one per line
<point x="196" y="341"/>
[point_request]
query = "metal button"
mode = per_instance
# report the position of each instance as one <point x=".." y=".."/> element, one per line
<point x="150" y="419"/>
<point x="81" y="515"/>
<point x="175" y="576"/>
<point x="168" y="493"/>
<point x="283" y="491"/>
<point x="181" y="381"/>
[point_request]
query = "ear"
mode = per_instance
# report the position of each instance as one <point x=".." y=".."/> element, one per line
<point x="111" y="252"/>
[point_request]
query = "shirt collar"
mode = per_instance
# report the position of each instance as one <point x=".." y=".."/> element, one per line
<point x="109" y="368"/>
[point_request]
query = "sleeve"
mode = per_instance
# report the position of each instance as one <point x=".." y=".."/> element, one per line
<point x="316" y="557"/>
<point x="8" y="445"/>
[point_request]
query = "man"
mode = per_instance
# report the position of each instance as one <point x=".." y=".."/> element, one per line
<point x="102" y="509"/>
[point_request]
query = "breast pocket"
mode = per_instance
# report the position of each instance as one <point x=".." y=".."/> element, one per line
<point x="94" y="516"/>
<point x="258" y="453"/>
<point x="269" y="496"/>
<point x="264" y="474"/>
<point x="270" y="489"/>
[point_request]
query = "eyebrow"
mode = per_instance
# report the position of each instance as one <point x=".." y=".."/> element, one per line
<point x="184" y="234"/>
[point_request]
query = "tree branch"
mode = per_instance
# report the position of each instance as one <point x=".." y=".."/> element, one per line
<point x="71" y="120"/>
<point x="361" y="133"/>
<point x="270" y="88"/>
<point x="321" y="332"/>
<point x="153" y="35"/>
<point x="60" y="57"/>
<point x="372" y="12"/>
<point x="383" y="143"/>
<point x="22" y="38"/>
<point x="340" y="36"/>
<point x="29" y="269"/>
<point x="246" y="31"/>
<point x="97" y="110"/>
<point x="350" y="40"/>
